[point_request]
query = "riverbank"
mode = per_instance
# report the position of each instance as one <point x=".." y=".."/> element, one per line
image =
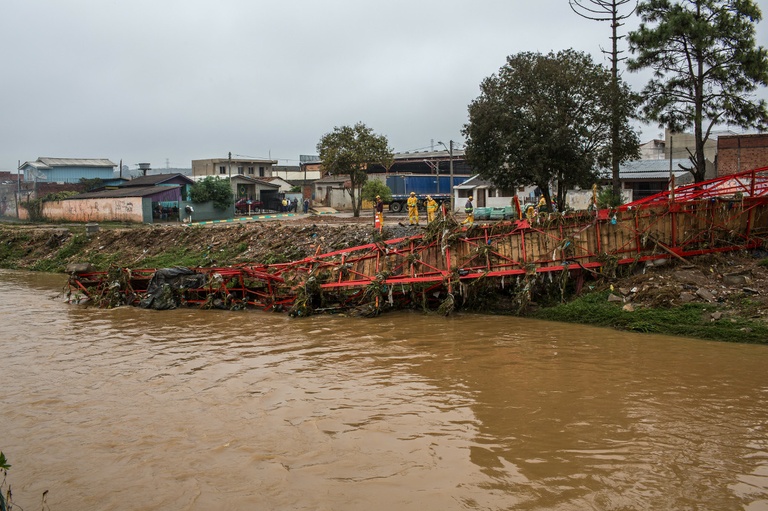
<point x="722" y="297"/>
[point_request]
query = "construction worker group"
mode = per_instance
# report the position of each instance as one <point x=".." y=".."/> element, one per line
<point x="413" y="209"/>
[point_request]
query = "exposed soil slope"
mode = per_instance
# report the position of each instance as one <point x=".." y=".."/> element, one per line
<point x="737" y="282"/>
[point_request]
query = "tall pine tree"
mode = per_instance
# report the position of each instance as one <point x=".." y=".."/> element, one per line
<point x="706" y="67"/>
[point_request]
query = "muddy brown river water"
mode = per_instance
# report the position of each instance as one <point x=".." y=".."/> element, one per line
<point x="130" y="409"/>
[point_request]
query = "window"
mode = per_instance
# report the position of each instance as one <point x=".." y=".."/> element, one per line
<point x="222" y="170"/>
<point x="250" y="170"/>
<point x="261" y="171"/>
<point x="240" y="170"/>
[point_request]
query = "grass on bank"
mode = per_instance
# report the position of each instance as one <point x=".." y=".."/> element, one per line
<point x="687" y="320"/>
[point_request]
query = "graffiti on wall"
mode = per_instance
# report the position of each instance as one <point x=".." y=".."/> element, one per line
<point x="95" y="210"/>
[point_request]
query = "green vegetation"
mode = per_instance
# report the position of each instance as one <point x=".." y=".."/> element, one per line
<point x="615" y="12"/>
<point x="706" y="67"/>
<point x="213" y="189"/>
<point x="59" y="261"/>
<point x="91" y="184"/>
<point x="177" y="256"/>
<point x="375" y="187"/>
<point x="348" y="150"/>
<point x="546" y="120"/>
<point x="4" y="466"/>
<point x="13" y="249"/>
<point x="688" y="320"/>
<point x="607" y="198"/>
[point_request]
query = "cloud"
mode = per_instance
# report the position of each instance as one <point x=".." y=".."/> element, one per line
<point x="180" y="80"/>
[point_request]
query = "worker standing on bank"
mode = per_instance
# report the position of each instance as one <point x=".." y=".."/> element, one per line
<point x="431" y="208"/>
<point x="380" y="210"/>
<point x="469" y="209"/>
<point x="413" y="209"/>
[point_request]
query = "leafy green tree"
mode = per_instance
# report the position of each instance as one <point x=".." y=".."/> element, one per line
<point x="91" y="184"/>
<point x="348" y="150"/>
<point x="546" y="119"/>
<point x="706" y="67"/>
<point x="374" y="187"/>
<point x="213" y="189"/>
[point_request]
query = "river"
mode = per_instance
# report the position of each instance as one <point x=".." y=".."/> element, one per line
<point x="131" y="409"/>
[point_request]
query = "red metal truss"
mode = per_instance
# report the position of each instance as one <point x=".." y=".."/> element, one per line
<point x="751" y="183"/>
<point x="728" y="213"/>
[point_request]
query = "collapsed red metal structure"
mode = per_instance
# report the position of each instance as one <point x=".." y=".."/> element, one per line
<point x="723" y="214"/>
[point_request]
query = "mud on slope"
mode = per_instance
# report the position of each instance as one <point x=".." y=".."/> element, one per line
<point x="737" y="281"/>
<point x="52" y="248"/>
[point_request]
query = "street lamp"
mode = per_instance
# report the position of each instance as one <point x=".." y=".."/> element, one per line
<point x="450" y="156"/>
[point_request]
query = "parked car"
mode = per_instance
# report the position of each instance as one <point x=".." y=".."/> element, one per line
<point x="248" y="206"/>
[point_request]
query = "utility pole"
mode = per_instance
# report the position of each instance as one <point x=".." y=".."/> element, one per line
<point x="18" y="187"/>
<point x="229" y="166"/>
<point x="450" y="166"/>
<point x="609" y="10"/>
<point x="450" y="142"/>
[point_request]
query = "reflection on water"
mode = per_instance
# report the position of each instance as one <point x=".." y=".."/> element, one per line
<point x="134" y="409"/>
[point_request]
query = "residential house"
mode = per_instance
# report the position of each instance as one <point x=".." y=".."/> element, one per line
<point x="257" y="189"/>
<point x="642" y="178"/>
<point x="67" y="170"/>
<point x="144" y="199"/>
<point x="297" y="173"/>
<point x="331" y="191"/>
<point x="230" y="167"/>
<point x="485" y="194"/>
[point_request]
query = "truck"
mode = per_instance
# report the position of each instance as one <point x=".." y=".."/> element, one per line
<point x="439" y="187"/>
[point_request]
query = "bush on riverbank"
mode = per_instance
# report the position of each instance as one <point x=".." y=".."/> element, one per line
<point x="700" y="320"/>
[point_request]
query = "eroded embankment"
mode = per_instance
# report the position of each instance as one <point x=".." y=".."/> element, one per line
<point x="722" y="297"/>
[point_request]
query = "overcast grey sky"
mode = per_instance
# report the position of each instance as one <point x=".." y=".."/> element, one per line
<point x="169" y="81"/>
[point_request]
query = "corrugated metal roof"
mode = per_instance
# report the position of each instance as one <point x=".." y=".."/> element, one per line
<point x="653" y="174"/>
<point x="473" y="182"/>
<point x="262" y="181"/>
<point x="649" y="169"/>
<point x="457" y="154"/>
<point x="145" y="191"/>
<point x="155" y="179"/>
<point x="76" y="162"/>
<point x="653" y="165"/>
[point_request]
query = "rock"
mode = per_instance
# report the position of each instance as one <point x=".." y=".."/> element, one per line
<point x="717" y="315"/>
<point x="628" y="307"/>
<point x="705" y="295"/>
<point x="624" y="291"/>
<point x="612" y="298"/>
<point x="687" y="297"/>
<point x="79" y="268"/>
<point x="735" y="279"/>
<point x="751" y="291"/>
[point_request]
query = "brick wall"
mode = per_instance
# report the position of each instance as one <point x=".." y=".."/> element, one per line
<point x="737" y="153"/>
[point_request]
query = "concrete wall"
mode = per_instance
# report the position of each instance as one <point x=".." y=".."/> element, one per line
<point x="741" y="152"/>
<point x="129" y="209"/>
<point x="205" y="212"/>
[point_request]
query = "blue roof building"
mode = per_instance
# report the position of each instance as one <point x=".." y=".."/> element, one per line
<point x="68" y="170"/>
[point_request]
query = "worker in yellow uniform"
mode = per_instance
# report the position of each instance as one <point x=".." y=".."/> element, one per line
<point x="431" y="208"/>
<point x="413" y="209"/>
<point x="530" y="212"/>
<point x="469" y="209"/>
<point x="380" y="210"/>
<point x="541" y="207"/>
